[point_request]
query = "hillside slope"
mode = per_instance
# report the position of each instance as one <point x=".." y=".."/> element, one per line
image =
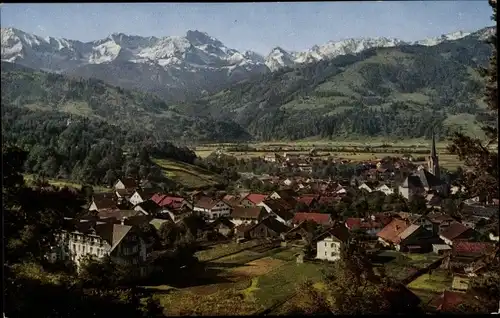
<point x="400" y="91"/>
<point x="35" y="90"/>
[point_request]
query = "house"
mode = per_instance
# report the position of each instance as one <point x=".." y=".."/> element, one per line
<point x="319" y="218"/>
<point x="439" y="221"/>
<point x="415" y="238"/>
<point x="242" y="231"/>
<point x="441" y="249"/>
<point x="384" y="189"/>
<point x="125" y="184"/>
<point x="269" y="227"/>
<point x="253" y="199"/>
<point x="140" y="196"/>
<point x="278" y="208"/>
<point x="471" y="250"/>
<point x="247" y="215"/>
<point x="103" y="204"/>
<point x="328" y="249"/>
<point x="88" y="237"/>
<point x="285" y="194"/>
<point x="330" y="242"/>
<point x="124" y="195"/>
<point x="455" y="231"/>
<point x="222" y="226"/>
<point x="211" y="209"/>
<point x="148" y="207"/>
<point x="308" y="200"/>
<point x="272" y="157"/>
<point x="389" y="235"/>
<point x="370" y="227"/>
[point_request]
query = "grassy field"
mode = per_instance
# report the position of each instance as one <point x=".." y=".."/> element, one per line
<point x="190" y="176"/>
<point x="245" y="283"/>
<point x="446" y="160"/>
<point x="400" y="265"/>
<point x="436" y="282"/>
<point x="65" y="183"/>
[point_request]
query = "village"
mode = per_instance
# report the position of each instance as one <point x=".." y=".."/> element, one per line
<point x="296" y="225"/>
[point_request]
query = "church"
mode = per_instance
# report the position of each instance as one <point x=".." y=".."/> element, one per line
<point x="424" y="180"/>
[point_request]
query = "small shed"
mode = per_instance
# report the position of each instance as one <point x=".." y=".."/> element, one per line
<point x="440" y="249"/>
<point x="460" y="283"/>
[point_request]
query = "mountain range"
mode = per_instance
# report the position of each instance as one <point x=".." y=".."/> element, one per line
<point x="177" y="68"/>
<point x="208" y="91"/>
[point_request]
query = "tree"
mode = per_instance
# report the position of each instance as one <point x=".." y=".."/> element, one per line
<point x="477" y="155"/>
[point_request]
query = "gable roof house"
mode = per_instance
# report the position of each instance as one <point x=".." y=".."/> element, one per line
<point x="318" y="218"/>
<point x="103" y="204"/>
<point x="279" y="209"/>
<point x="141" y="196"/>
<point x="268" y="227"/>
<point x="126" y="184"/>
<point x="241" y="214"/>
<point x="252" y="199"/>
<point x="309" y="200"/>
<point x="285" y="194"/>
<point x="389" y="235"/>
<point x="148" y="207"/>
<point x="211" y="209"/>
<point x="89" y="237"/>
<point x="370" y="227"/>
<point x="456" y="231"/>
<point x="385" y="189"/>
<point x="223" y="226"/>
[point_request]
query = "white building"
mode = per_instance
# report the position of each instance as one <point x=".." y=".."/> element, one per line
<point x="212" y="209"/>
<point x="95" y="238"/>
<point x="328" y="249"/>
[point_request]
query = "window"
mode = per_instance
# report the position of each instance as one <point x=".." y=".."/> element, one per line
<point x="74" y="247"/>
<point x="332" y="245"/>
<point x="333" y="253"/>
<point x="91" y="250"/>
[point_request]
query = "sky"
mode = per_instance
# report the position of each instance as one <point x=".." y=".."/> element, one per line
<point x="252" y="26"/>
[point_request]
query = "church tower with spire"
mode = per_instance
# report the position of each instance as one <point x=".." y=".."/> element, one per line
<point x="433" y="162"/>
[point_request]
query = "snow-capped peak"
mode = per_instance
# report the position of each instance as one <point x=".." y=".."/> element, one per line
<point x="444" y="37"/>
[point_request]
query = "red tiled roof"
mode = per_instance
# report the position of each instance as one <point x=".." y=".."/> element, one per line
<point x="256" y="198"/>
<point x="319" y="218"/>
<point x="390" y="233"/>
<point x="454" y="230"/>
<point x="206" y="203"/>
<point x="328" y="199"/>
<point x="357" y="223"/>
<point x="174" y="202"/>
<point x="464" y="247"/>
<point x="307" y="200"/>
<point x="157" y="197"/>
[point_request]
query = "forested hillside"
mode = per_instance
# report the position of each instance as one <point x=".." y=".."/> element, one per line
<point x="398" y="92"/>
<point x="23" y="87"/>
<point x="89" y="151"/>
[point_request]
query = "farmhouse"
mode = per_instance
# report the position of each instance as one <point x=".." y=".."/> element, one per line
<point x="455" y="231"/>
<point x="125" y="184"/>
<point x="319" y="218"/>
<point x="269" y="227"/>
<point x="140" y="196"/>
<point x="247" y="215"/>
<point x="222" y="226"/>
<point x="103" y="204"/>
<point x="211" y="209"/>
<point x="278" y="208"/>
<point x="389" y="235"/>
<point x="253" y="199"/>
<point x="148" y="207"/>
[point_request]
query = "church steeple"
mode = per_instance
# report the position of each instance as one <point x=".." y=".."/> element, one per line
<point x="433" y="161"/>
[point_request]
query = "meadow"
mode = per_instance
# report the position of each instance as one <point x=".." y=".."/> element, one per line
<point x="351" y="150"/>
<point x="190" y="176"/>
<point x="241" y="283"/>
